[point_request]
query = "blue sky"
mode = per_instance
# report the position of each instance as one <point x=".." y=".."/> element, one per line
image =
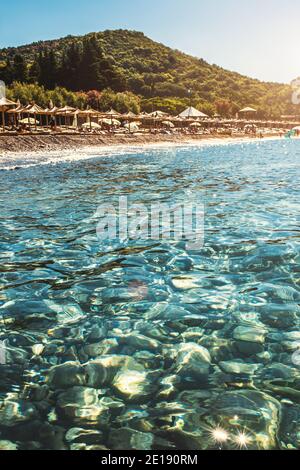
<point x="259" y="38"/>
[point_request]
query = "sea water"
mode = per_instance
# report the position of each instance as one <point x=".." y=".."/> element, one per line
<point x="145" y="344"/>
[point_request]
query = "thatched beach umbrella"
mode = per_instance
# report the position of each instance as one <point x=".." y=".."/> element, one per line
<point x="88" y="113"/>
<point x="15" y="111"/>
<point x="46" y="113"/>
<point x="112" y="112"/>
<point x="129" y="115"/>
<point x="192" y="113"/>
<point x="158" y="114"/>
<point x="34" y="109"/>
<point x="4" y="105"/>
<point x="247" y="111"/>
<point x="51" y="111"/>
<point x="66" y="111"/>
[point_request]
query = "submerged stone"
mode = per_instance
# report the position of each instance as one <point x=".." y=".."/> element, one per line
<point x="82" y="405"/>
<point x="193" y="366"/>
<point x="66" y="375"/>
<point x="282" y="317"/>
<point x="133" y="385"/>
<point x="38" y="349"/>
<point x="232" y="367"/>
<point x="81" y="447"/>
<point x="66" y="314"/>
<point x="96" y="374"/>
<point x="104" y="347"/>
<point x="8" y="445"/>
<point x="250" y="334"/>
<point x="86" y="436"/>
<point x="14" y="411"/>
<point x="289" y="434"/>
<point x="192" y="352"/>
<point x="252" y="412"/>
<point x="280" y="373"/>
<point x="186" y="282"/>
<point x="188" y="431"/>
<point x="249" y="349"/>
<point x="130" y="439"/>
<point x="141" y="342"/>
<point x="192" y="335"/>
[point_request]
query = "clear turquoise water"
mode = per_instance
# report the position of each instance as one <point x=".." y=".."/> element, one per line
<point x="144" y="344"/>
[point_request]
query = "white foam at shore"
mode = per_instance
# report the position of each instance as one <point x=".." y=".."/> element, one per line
<point x="12" y="161"/>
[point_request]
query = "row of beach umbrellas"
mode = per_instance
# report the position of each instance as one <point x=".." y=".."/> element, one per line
<point x="109" y="118"/>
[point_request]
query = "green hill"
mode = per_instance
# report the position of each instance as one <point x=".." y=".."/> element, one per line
<point x="129" y="61"/>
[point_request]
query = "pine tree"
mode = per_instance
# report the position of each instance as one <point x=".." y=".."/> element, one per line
<point x="97" y="71"/>
<point x="52" y="70"/>
<point x="89" y="69"/>
<point x="7" y="73"/>
<point x="48" y="69"/>
<point x="34" y="71"/>
<point x="68" y="75"/>
<point x="19" y="69"/>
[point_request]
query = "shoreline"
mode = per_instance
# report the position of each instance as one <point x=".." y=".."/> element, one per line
<point x="28" y="150"/>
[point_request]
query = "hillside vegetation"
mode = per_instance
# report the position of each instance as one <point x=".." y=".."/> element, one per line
<point x="130" y="71"/>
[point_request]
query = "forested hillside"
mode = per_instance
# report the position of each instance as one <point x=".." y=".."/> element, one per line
<point x="129" y="70"/>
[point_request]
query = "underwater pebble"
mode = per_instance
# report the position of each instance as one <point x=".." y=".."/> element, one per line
<point x="82" y="405"/>
<point x="8" y="445"/>
<point x="256" y="413"/>
<point x="130" y="439"/>
<point x="249" y="334"/>
<point x="66" y="375"/>
<point x="192" y="352"/>
<point x="15" y="411"/>
<point x="85" y="436"/>
<point x="232" y="367"/>
<point x="38" y="349"/>
<point x="88" y="448"/>
<point x="137" y="341"/>
<point x="133" y="385"/>
<point x="105" y="347"/>
<point x="96" y="374"/>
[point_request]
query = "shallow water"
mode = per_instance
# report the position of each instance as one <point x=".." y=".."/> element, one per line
<point x="144" y="344"/>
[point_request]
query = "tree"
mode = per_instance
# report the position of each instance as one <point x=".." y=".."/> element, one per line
<point x="19" y="69"/>
<point x="223" y="107"/>
<point x="34" y="71"/>
<point x="68" y="75"/>
<point x="121" y="102"/>
<point x="93" y="98"/>
<point x="6" y="73"/>
<point x="90" y="76"/>
<point x="48" y="69"/>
